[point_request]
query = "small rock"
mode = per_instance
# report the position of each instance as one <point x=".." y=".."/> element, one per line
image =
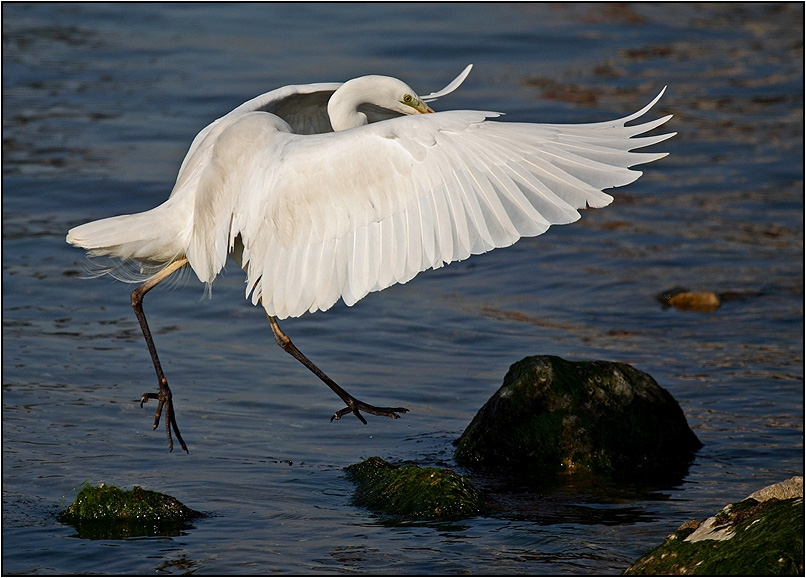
<point x="414" y="492"/>
<point x="685" y="300"/>
<point x="108" y="512"/>
<point x="759" y="536"/>
<point x="600" y="417"/>
<point x="703" y="301"/>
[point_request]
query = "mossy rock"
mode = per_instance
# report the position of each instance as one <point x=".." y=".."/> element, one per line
<point x="554" y="416"/>
<point x="749" y="538"/>
<point x="108" y="512"/>
<point x="413" y="492"/>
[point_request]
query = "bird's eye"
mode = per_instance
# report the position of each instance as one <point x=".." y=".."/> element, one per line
<point x="408" y="99"/>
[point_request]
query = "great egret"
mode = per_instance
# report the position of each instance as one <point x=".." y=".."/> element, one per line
<point x="328" y="191"/>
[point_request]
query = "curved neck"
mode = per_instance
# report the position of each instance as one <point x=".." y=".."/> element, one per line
<point x="342" y="108"/>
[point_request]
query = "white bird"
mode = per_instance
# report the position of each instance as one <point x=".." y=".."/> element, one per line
<point x="329" y="191"/>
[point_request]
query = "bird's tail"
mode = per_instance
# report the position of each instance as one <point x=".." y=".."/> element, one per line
<point x="151" y="239"/>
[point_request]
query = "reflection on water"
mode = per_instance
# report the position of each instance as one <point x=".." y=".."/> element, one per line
<point x="100" y="105"/>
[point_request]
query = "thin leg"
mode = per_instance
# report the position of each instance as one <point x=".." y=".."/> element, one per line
<point x="353" y="404"/>
<point x="164" y="396"/>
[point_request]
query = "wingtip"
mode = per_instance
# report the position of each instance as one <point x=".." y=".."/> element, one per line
<point x="657" y="98"/>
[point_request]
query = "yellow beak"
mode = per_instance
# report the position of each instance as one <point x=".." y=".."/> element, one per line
<point x="422" y="107"/>
<point x="418" y="105"/>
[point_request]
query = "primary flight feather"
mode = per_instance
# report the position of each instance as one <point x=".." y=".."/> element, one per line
<point x="330" y="191"/>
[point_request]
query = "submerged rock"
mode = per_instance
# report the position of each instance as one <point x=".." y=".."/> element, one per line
<point x="414" y="492"/>
<point x="600" y="417"/>
<point x="108" y="512"/>
<point x="759" y="536"/>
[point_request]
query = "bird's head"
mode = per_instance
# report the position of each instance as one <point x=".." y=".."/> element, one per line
<point x="372" y="98"/>
<point x="411" y="103"/>
<point x="389" y="93"/>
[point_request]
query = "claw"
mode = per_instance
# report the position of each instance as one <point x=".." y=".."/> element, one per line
<point x="147" y="396"/>
<point x="356" y="405"/>
<point x="342" y="412"/>
<point x="165" y="401"/>
<point x="158" y="414"/>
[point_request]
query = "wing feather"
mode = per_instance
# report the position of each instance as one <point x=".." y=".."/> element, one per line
<point x="443" y="223"/>
<point x="479" y="235"/>
<point x="414" y="242"/>
<point x="401" y="256"/>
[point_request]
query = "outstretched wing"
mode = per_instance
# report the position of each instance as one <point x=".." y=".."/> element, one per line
<point x="339" y="215"/>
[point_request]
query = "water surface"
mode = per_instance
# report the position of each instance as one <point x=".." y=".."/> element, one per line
<point x="100" y="105"/>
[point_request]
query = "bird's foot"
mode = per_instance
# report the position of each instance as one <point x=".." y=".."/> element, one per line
<point x="355" y="406"/>
<point x="165" y="400"/>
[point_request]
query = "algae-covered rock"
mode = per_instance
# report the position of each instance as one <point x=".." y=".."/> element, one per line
<point x="414" y="492"/>
<point x="110" y="512"/>
<point x="759" y="536"/>
<point x="599" y="417"/>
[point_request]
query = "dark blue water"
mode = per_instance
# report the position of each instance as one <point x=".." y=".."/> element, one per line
<point x="100" y="103"/>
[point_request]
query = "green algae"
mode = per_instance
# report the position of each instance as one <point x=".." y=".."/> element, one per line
<point x="766" y="540"/>
<point x="413" y="492"/>
<point x="104" y="512"/>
